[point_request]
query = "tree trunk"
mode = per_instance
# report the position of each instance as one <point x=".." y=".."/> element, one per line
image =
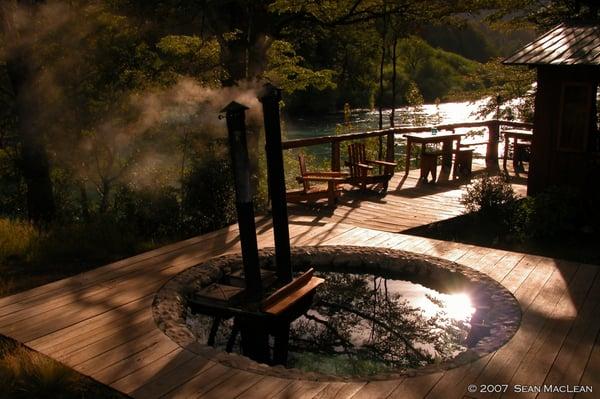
<point x="84" y="202"/>
<point x="104" y="195"/>
<point x="34" y="163"/>
<point x="394" y="62"/>
<point x="381" y="65"/>
<point x="33" y="157"/>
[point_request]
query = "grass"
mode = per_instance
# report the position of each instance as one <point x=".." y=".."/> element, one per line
<point x="27" y="374"/>
<point x="29" y="258"/>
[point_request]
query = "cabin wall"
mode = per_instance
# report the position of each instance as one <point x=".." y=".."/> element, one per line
<point x="551" y="163"/>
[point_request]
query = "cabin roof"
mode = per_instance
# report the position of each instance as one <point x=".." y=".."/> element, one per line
<point x="565" y="44"/>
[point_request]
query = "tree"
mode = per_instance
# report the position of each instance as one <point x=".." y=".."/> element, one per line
<point x="542" y="14"/>
<point x="23" y="71"/>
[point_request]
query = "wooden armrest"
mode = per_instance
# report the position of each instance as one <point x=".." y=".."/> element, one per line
<point x="363" y="166"/>
<point x="383" y="163"/>
<point x="290" y="293"/>
<point x="360" y="165"/>
<point x="463" y="150"/>
<point x="321" y="178"/>
<point x="473" y="143"/>
<point x="330" y="174"/>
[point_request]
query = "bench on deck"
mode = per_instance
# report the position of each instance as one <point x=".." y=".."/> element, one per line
<point x="223" y="301"/>
<point x="285" y="298"/>
<point x="312" y="193"/>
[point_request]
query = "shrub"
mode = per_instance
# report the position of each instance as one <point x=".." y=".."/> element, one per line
<point x="100" y="240"/>
<point x="151" y="214"/>
<point x="16" y="239"/>
<point x="209" y="196"/>
<point x="550" y="213"/>
<point x="492" y="197"/>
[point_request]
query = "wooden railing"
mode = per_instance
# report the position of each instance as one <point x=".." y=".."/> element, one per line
<point x="493" y="126"/>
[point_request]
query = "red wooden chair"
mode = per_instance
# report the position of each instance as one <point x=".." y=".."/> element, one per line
<point x="312" y="193"/>
<point x="361" y="168"/>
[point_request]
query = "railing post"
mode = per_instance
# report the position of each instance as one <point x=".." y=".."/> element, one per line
<point x="335" y="156"/>
<point x="491" y="156"/>
<point x="389" y="151"/>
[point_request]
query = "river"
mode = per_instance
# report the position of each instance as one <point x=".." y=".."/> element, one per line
<point x="361" y="120"/>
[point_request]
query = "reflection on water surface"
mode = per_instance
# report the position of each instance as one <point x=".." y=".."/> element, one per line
<point x="361" y="324"/>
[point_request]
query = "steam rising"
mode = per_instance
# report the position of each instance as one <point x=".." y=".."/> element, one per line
<point x="182" y="109"/>
<point x="144" y="139"/>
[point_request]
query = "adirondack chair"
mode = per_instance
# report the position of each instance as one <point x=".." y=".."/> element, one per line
<point x="361" y="168"/>
<point x="312" y="193"/>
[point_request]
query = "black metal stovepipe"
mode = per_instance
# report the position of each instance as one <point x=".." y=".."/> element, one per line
<point x="270" y="98"/>
<point x="238" y="149"/>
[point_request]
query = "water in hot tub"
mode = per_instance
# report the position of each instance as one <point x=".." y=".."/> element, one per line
<point x="362" y="324"/>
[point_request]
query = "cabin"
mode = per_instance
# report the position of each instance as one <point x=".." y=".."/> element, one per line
<point x="565" y="150"/>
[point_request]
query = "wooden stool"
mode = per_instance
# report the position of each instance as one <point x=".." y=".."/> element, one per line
<point x="428" y="165"/>
<point x="463" y="163"/>
<point x="520" y="154"/>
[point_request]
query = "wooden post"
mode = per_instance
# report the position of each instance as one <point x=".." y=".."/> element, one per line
<point x="491" y="156"/>
<point x="389" y="151"/>
<point x="335" y="156"/>
<point x="238" y="150"/>
<point x="270" y="98"/>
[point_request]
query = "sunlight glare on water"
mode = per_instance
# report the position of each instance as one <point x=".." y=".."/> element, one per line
<point x="457" y="306"/>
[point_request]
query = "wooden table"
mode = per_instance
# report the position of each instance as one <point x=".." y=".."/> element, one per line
<point x="515" y="134"/>
<point x="445" y="137"/>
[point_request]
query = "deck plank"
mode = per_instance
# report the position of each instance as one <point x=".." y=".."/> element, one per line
<point x="300" y="389"/>
<point x="453" y="383"/>
<point x="340" y="390"/>
<point x="536" y="364"/>
<point x="571" y="361"/>
<point x="100" y="322"/>
<point x="502" y="365"/>
<point x="377" y="389"/>
<point x="264" y="388"/>
<point x="155" y="370"/>
<point x="416" y="387"/>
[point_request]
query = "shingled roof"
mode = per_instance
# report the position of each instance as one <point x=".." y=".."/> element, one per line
<point x="565" y="44"/>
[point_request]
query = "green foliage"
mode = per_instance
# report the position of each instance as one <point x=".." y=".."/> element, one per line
<point x="543" y="14"/>
<point x="491" y="197"/>
<point x="504" y="85"/>
<point x="437" y="74"/>
<point x="414" y="99"/>
<point x="12" y="187"/>
<point x="550" y="214"/>
<point x="193" y="56"/>
<point x="209" y="198"/>
<point x="151" y="213"/>
<point x="467" y="40"/>
<point x="284" y="70"/>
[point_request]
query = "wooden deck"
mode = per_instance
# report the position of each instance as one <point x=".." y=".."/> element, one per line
<point x="100" y="323"/>
<point x="406" y="205"/>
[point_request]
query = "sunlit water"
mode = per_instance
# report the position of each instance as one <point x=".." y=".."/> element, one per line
<point x="360" y="325"/>
<point x="364" y="120"/>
